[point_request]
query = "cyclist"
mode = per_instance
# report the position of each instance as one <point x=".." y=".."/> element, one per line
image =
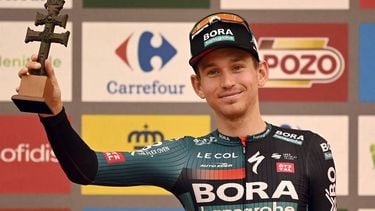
<point x="245" y="164"/>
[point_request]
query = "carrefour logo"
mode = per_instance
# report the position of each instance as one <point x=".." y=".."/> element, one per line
<point x="145" y="51"/>
<point x="300" y="62"/>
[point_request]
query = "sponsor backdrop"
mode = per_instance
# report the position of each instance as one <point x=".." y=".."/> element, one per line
<point x="125" y="82"/>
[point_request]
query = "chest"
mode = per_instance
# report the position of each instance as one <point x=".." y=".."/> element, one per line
<point x="257" y="171"/>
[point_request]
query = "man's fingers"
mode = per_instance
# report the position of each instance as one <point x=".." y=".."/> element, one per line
<point x="49" y="68"/>
<point x="34" y="57"/>
<point x="23" y="71"/>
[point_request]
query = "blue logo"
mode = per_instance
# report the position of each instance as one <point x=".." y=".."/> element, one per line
<point x="146" y="52"/>
<point x="366" y="63"/>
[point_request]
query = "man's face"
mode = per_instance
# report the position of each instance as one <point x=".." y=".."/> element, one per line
<point x="229" y="80"/>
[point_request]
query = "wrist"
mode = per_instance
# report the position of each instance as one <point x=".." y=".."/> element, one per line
<point x="56" y="109"/>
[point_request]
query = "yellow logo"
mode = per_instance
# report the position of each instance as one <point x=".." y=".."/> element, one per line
<point x="132" y="132"/>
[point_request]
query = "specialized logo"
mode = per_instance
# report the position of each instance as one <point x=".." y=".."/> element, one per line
<point x="296" y="62"/>
<point x="144" y="137"/>
<point x="256" y="159"/>
<point x="114" y="157"/>
<point x="146" y="52"/>
<point x="289" y="137"/>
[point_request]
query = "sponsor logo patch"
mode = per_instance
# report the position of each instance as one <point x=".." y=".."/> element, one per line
<point x="114" y="157"/>
<point x="289" y="137"/>
<point x="283" y="167"/>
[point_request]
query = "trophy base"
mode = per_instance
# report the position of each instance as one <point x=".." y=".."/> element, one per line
<point x="31" y="104"/>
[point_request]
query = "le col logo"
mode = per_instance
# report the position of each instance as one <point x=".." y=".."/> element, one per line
<point x="219" y="155"/>
<point x="24" y="153"/>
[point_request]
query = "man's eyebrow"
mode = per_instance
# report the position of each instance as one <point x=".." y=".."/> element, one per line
<point x="233" y="58"/>
<point x="208" y="65"/>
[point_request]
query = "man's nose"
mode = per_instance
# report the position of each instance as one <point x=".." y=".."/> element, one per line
<point x="227" y="80"/>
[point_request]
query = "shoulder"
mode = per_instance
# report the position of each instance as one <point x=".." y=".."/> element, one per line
<point x="200" y="140"/>
<point x="297" y="136"/>
<point x="294" y="136"/>
<point x="309" y="141"/>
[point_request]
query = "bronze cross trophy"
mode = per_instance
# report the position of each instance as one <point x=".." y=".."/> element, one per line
<point x="34" y="87"/>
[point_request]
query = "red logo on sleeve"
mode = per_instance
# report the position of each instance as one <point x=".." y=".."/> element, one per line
<point x="282" y="167"/>
<point x="114" y="157"/>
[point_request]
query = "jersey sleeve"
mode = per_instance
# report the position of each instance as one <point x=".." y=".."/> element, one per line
<point x="322" y="175"/>
<point x="160" y="164"/>
<point x="76" y="158"/>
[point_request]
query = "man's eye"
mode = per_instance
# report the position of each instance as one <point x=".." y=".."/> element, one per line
<point x="237" y="67"/>
<point x="212" y="72"/>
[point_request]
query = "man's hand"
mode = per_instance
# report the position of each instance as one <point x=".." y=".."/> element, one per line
<point x="54" y="100"/>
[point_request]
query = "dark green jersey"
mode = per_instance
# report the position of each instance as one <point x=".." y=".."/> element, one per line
<point x="277" y="170"/>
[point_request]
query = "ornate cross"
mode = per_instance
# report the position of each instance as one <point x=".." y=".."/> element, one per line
<point x="48" y="36"/>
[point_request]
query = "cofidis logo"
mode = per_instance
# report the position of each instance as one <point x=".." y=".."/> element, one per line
<point x="27" y="160"/>
<point x="144" y="62"/>
<point x="307" y="62"/>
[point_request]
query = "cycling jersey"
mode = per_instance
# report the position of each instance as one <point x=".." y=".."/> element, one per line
<point x="277" y="170"/>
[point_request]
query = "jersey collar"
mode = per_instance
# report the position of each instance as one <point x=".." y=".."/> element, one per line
<point x="232" y="140"/>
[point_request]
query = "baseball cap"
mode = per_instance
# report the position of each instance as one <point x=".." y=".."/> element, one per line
<point x="221" y="30"/>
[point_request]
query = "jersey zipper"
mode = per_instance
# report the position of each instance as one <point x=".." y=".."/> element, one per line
<point x="243" y="145"/>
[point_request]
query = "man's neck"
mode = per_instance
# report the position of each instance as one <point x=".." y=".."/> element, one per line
<point x="246" y="125"/>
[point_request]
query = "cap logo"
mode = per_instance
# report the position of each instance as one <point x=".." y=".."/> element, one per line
<point x="218" y="35"/>
<point x="214" y="18"/>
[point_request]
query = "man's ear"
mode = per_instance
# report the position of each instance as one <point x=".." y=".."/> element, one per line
<point x="196" y="83"/>
<point x="262" y="73"/>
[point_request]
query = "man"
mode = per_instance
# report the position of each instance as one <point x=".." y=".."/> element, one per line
<point x="245" y="164"/>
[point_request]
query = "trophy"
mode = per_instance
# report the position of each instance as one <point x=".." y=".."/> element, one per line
<point x="36" y="86"/>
